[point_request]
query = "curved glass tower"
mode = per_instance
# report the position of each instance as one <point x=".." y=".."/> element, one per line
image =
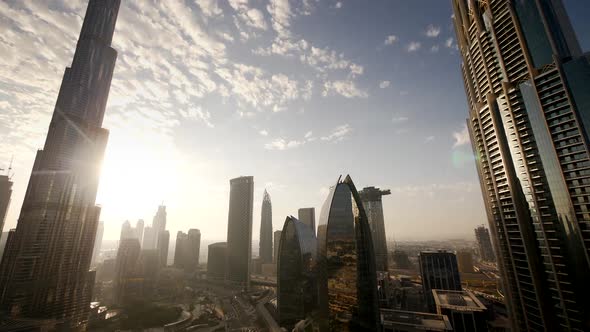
<point x="296" y="273"/>
<point x="347" y="276"/>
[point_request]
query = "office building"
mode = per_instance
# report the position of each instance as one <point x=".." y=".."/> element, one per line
<point x="239" y="231"/>
<point x="347" y="277"/>
<point x="57" y="225"/>
<point x="130" y="232"/>
<point x="163" y="245"/>
<point x="464" y="311"/>
<point x="125" y="287"/>
<point x="138" y="231"/>
<point x="465" y="261"/>
<point x="148" y="267"/>
<point x="373" y="204"/>
<point x="149" y="238"/>
<point x="3" y="239"/>
<point x="296" y="273"/>
<point x="5" y="194"/>
<point x="307" y="216"/>
<point x="265" y="251"/>
<point x="97" y="243"/>
<point x="181" y="250"/>
<point x="216" y="261"/>
<point x="410" y="321"/>
<point x="159" y="221"/>
<point x="439" y="270"/>
<point x="484" y="244"/>
<point x="526" y="82"/>
<point x="193" y="250"/>
<point x="277" y="241"/>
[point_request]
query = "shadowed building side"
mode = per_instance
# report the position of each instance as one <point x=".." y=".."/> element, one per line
<point x="373" y="204"/>
<point x="239" y="231"/>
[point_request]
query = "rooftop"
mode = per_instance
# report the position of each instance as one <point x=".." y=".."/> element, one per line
<point x="411" y="319"/>
<point x="457" y="300"/>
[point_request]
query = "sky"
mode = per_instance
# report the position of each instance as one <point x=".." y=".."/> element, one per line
<point x="294" y="93"/>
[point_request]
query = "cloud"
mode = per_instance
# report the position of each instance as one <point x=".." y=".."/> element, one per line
<point x="263" y="133"/>
<point x="209" y="7"/>
<point x="390" y="40"/>
<point x="345" y="88"/>
<point x="338" y="5"/>
<point x="399" y="119"/>
<point x="432" y="31"/>
<point x="338" y="134"/>
<point x="384" y="84"/>
<point x="413" y="46"/>
<point x="440" y="190"/>
<point x="449" y="42"/>
<point x="280" y="12"/>
<point x="461" y="137"/>
<point x="198" y="114"/>
<point x="434" y="48"/>
<point x="429" y="139"/>
<point x="282" y="144"/>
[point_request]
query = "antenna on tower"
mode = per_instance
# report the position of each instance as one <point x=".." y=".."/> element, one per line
<point x="10" y="168"/>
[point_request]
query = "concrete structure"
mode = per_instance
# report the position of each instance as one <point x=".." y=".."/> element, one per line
<point x="216" y="261"/>
<point x="5" y="194"/>
<point x="296" y="273"/>
<point x="465" y="312"/>
<point x="55" y="234"/>
<point x="526" y="82"/>
<point x="347" y="277"/>
<point x="265" y="251"/>
<point x="409" y="321"/>
<point x="97" y="243"/>
<point x="239" y="231"/>
<point x="484" y="244"/>
<point x="439" y="270"/>
<point x="162" y="247"/>
<point x="372" y="201"/>
<point x="465" y="261"/>
<point x="277" y="242"/>
<point x="307" y="216"/>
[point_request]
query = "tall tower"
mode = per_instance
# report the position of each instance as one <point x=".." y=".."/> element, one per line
<point x="239" y="231"/>
<point x="307" y="216"/>
<point x="97" y="242"/>
<point x="194" y="249"/>
<point x="528" y="93"/>
<point x="484" y="244"/>
<point x="277" y="242"/>
<point x="159" y="222"/>
<point x="5" y="194"/>
<point x="162" y="247"/>
<point x="266" y="230"/>
<point x="44" y="273"/>
<point x="373" y="205"/>
<point x="438" y="270"/>
<point x="347" y="278"/>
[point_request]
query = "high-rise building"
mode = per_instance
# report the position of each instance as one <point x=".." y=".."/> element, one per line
<point x="307" y="216"/>
<point x="239" y="231"/>
<point x="125" y="270"/>
<point x="277" y="242"/>
<point x="5" y="194"/>
<point x="373" y="204"/>
<point x="347" y="277"/>
<point x="266" y="230"/>
<point x="484" y="244"/>
<point x="3" y="240"/>
<point x="528" y="95"/>
<point x="216" y="261"/>
<point x="193" y="250"/>
<point x="97" y="242"/>
<point x="180" y="250"/>
<point x="465" y="261"/>
<point x="465" y="312"/>
<point x="138" y="231"/>
<point x="45" y="273"/>
<point x="296" y="273"/>
<point x="439" y="270"/>
<point x="163" y="245"/>
<point x="126" y="231"/>
<point x="149" y="238"/>
<point x="159" y="222"/>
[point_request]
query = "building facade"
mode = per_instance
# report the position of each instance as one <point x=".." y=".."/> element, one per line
<point x="97" y="243"/>
<point x="373" y="203"/>
<point x="180" y="250"/>
<point x="125" y="283"/>
<point x="347" y="277"/>
<point x="277" y="242"/>
<point x="307" y="216"/>
<point x="465" y="261"/>
<point x="193" y="250"/>
<point x="465" y="312"/>
<point x="438" y="270"/>
<point x="484" y="244"/>
<point x="296" y="273"/>
<point x="265" y="251"/>
<point x="45" y="271"/>
<point x="216" y="261"/>
<point x="526" y="82"/>
<point x="163" y="246"/>
<point x="239" y="231"/>
<point x="5" y="194"/>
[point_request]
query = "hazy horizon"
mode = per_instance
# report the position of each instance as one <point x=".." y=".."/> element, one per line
<point x="294" y="94"/>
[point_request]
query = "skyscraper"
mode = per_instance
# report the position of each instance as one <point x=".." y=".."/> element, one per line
<point x="239" y="231"/>
<point x="465" y="261"/>
<point x="296" y="273"/>
<point x="125" y="268"/>
<point x="373" y="204"/>
<point x="180" y="250"/>
<point x="266" y="230"/>
<point x="149" y="238"/>
<point x="162" y="247"/>
<point x="45" y="271"/>
<point x="159" y="222"/>
<point x="307" y="216"/>
<point x="347" y="277"/>
<point x="139" y="230"/>
<point x="5" y="194"/>
<point x="97" y="242"/>
<point x="126" y="231"/>
<point x="465" y="312"/>
<point x="529" y="113"/>
<point x="216" y="261"/>
<point x="439" y="270"/>
<point x="193" y="249"/>
<point x="484" y="244"/>
<point x="277" y="242"/>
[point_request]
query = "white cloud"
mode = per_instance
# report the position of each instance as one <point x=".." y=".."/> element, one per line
<point x="282" y="144"/>
<point x="432" y="31"/>
<point x="390" y="40"/>
<point x="345" y="88"/>
<point x="197" y="113"/>
<point x="413" y="46"/>
<point x="338" y="134"/>
<point x="434" y="48"/>
<point x="399" y="119"/>
<point x="384" y="84"/>
<point x="209" y="7"/>
<point x="449" y="42"/>
<point x="263" y="133"/>
<point x="280" y="12"/>
<point x="338" y="5"/>
<point x="461" y="137"/>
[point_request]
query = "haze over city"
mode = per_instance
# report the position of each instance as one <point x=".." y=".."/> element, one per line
<point x="291" y="93"/>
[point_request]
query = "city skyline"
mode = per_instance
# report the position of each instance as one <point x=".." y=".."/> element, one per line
<point x="454" y="177"/>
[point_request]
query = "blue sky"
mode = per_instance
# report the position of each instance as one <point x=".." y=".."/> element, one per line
<point x="294" y="93"/>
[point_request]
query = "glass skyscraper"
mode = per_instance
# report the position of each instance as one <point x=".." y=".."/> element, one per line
<point x="373" y="204"/>
<point x="296" y="273"/>
<point x="239" y="231"/>
<point x="528" y="92"/>
<point x="45" y="269"/>
<point x="484" y="244"/>
<point x="266" y="230"/>
<point x="307" y="216"/>
<point x="347" y="277"/>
